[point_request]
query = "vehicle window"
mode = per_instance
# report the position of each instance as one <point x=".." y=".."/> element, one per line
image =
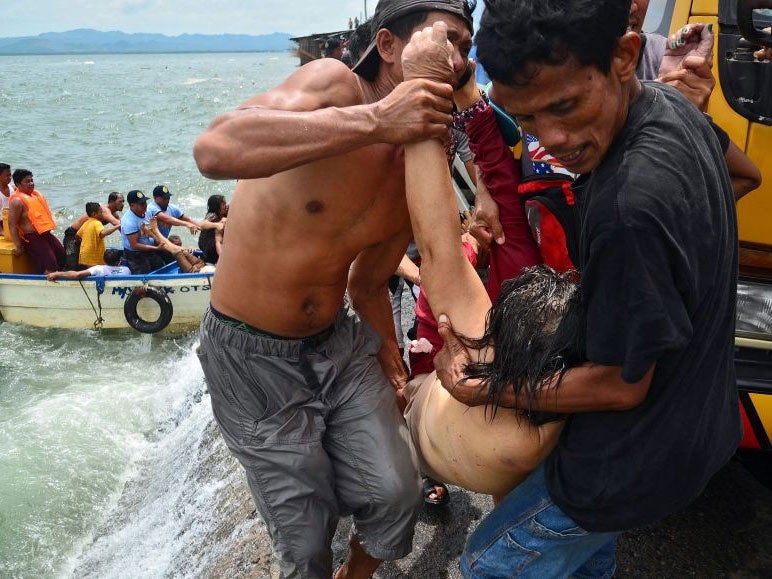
<point x="658" y="17"/>
<point x="745" y="81"/>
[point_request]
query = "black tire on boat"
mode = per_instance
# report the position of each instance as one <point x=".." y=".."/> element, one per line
<point x="156" y="294"/>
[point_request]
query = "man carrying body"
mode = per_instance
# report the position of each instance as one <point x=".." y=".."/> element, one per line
<point x="655" y="412"/>
<point x="320" y="210"/>
<point x="31" y="224"/>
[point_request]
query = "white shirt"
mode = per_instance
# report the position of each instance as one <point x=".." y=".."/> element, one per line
<point x="108" y="270"/>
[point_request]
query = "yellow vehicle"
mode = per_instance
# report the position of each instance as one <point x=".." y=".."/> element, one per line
<point x="741" y="104"/>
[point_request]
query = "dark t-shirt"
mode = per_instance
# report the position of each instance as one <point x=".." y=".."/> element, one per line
<point x="658" y="260"/>
<point x="206" y="240"/>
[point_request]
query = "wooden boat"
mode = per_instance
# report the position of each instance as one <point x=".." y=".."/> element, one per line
<point x="165" y="300"/>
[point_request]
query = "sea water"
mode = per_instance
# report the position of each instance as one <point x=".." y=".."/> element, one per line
<point x="102" y="467"/>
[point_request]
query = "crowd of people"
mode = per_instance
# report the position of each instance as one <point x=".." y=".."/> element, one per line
<point x="589" y="387"/>
<point x="147" y="243"/>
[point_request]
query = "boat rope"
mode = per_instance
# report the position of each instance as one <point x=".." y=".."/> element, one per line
<point x="99" y="320"/>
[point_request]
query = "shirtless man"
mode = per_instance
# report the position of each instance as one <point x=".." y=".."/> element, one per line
<point x="110" y="212"/>
<point x="319" y="210"/>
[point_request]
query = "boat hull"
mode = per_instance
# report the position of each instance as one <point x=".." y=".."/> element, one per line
<point x="34" y="301"/>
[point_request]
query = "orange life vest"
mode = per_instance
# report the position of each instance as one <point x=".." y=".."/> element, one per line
<point x="38" y="212"/>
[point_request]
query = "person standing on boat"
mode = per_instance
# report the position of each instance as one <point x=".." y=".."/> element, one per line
<point x="303" y="385"/>
<point x="31" y="224"/>
<point x="139" y="250"/>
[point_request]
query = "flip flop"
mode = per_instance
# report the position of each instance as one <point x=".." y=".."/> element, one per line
<point x="430" y="486"/>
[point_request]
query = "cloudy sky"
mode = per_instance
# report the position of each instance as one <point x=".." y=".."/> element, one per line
<point x="31" y="17"/>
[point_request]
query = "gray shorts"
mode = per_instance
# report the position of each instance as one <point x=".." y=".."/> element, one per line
<point x="316" y="426"/>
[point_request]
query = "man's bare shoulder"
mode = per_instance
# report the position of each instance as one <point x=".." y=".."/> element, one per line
<point x="323" y="83"/>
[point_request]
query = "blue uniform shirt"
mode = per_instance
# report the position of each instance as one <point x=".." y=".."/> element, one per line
<point x="171" y="211"/>
<point x="130" y="223"/>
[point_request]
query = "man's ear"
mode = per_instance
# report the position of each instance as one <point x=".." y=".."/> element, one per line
<point x="624" y="61"/>
<point x="385" y="41"/>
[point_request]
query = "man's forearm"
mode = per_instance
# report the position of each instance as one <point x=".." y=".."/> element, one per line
<point x="587" y="388"/>
<point x="408" y="270"/>
<point x="374" y="306"/>
<point x="167" y="219"/>
<point x="258" y="142"/>
<point x="143" y="247"/>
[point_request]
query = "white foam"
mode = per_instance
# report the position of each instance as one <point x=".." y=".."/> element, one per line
<point x="192" y="81"/>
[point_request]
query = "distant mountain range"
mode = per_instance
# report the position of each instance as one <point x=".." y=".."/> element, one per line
<point x="87" y="41"/>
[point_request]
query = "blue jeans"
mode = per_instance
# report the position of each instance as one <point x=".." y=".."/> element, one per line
<point x="527" y="535"/>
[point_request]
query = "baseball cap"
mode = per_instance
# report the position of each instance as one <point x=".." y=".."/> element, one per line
<point x="161" y="191"/>
<point x="387" y="11"/>
<point x="136" y="196"/>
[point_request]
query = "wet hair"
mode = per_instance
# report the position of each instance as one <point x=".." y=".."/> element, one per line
<point x="536" y="329"/>
<point x="113" y="196"/>
<point x="20" y="174"/>
<point x="4" y="167"/>
<point x="92" y="208"/>
<point x="213" y="204"/>
<point x="113" y="256"/>
<point x="516" y="36"/>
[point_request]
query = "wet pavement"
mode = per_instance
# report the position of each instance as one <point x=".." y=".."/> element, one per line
<point x="727" y="532"/>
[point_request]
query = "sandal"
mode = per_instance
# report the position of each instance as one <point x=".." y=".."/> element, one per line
<point x="432" y="497"/>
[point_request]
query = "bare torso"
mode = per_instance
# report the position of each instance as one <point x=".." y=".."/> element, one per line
<point x="292" y="238"/>
<point x="461" y="445"/>
<point x="78" y="223"/>
<point x="24" y="223"/>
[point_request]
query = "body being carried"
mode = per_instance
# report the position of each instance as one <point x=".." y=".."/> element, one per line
<point x="471" y="447"/>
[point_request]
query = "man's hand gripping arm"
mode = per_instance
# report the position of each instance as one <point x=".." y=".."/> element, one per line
<point x="319" y="112"/>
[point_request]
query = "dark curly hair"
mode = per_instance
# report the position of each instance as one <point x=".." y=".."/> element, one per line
<point x="537" y="329"/>
<point x="516" y="36"/>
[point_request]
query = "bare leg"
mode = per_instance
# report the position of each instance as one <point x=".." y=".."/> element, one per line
<point x="188" y="262"/>
<point x="359" y="564"/>
<point x="153" y="231"/>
